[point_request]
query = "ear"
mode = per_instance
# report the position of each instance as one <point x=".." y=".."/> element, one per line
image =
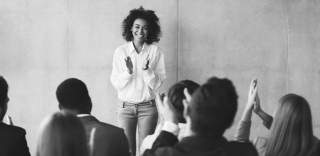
<point x="60" y="108"/>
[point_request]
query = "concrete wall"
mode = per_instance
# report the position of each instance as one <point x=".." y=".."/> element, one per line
<point x="43" y="42"/>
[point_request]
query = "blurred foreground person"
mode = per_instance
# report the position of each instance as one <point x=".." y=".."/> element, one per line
<point x="291" y="131"/>
<point x="175" y="97"/>
<point x="12" y="139"/>
<point x="208" y="113"/>
<point x="61" y="134"/>
<point x="109" y="140"/>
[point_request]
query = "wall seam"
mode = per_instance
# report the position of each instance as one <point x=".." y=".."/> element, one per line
<point x="68" y="48"/>
<point x="288" y="41"/>
<point x="177" y="53"/>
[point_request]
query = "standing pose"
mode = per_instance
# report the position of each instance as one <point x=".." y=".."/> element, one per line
<point x="138" y="70"/>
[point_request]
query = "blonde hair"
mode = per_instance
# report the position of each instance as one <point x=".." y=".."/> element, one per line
<point x="61" y="134"/>
<point x="291" y="132"/>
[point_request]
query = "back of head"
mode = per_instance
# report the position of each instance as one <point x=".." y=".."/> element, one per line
<point x="213" y="107"/>
<point x="61" y="134"/>
<point x="73" y="94"/>
<point x="3" y="91"/>
<point x="291" y="131"/>
<point x="3" y="97"/>
<point x="176" y="96"/>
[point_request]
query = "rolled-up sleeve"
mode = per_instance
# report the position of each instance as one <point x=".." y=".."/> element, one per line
<point x="243" y="131"/>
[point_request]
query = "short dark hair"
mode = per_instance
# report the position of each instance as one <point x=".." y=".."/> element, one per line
<point x="73" y="94"/>
<point x="176" y="96"/>
<point x="154" y="30"/>
<point x="213" y="107"/>
<point x="3" y="91"/>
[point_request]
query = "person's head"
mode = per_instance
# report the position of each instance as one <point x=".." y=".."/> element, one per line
<point x="61" y="134"/>
<point x="213" y="107"/>
<point x="142" y="26"/>
<point x="176" y="96"/>
<point x="4" y="99"/>
<point x="73" y="95"/>
<point x="291" y="131"/>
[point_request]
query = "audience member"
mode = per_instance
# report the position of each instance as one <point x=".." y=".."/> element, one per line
<point x="61" y="134"/>
<point x="291" y="132"/>
<point x="73" y="96"/>
<point x="12" y="139"/>
<point x="208" y="114"/>
<point x="175" y="97"/>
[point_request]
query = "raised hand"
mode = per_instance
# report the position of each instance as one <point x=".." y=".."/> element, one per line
<point x="129" y="64"/>
<point x="166" y="109"/>
<point x="187" y="94"/>
<point x="160" y="100"/>
<point x="145" y="65"/>
<point x="253" y="90"/>
<point x="256" y="105"/>
<point x="9" y="120"/>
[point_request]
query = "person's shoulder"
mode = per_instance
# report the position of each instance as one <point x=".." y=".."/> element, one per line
<point x="260" y="142"/>
<point x="242" y="148"/>
<point x="110" y="127"/>
<point x="154" y="47"/>
<point x="13" y="129"/>
<point x="122" y="48"/>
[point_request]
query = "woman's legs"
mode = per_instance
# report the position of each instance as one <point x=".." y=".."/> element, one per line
<point x="147" y="121"/>
<point x="127" y="120"/>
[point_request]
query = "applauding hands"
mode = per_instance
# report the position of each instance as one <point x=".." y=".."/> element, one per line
<point x="165" y="109"/>
<point x="129" y="64"/>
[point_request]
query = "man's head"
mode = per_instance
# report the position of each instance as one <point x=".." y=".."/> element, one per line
<point x="176" y="96"/>
<point x="3" y="97"/>
<point x="213" y="107"/>
<point x="73" y="95"/>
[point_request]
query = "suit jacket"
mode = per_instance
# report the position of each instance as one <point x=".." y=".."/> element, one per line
<point x="167" y="145"/>
<point x="109" y="140"/>
<point x="13" y="141"/>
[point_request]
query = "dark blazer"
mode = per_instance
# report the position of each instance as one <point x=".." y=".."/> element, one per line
<point x="13" y="141"/>
<point x="109" y="140"/>
<point x="167" y="145"/>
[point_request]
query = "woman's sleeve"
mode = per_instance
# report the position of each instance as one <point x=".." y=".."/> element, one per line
<point x="119" y="76"/>
<point x="269" y="121"/>
<point x="243" y="131"/>
<point x="155" y="77"/>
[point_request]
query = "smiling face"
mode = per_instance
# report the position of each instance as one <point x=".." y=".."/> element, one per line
<point x="140" y="30"/>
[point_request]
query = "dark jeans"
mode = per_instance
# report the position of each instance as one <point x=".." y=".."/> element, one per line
<point x="144" y="115"/>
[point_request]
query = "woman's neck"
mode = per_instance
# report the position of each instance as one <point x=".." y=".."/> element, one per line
<point x="138" y="46"/>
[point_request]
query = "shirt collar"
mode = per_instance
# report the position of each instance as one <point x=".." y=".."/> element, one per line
<point x="132" y="49"/>
<point x="83" y="115"/>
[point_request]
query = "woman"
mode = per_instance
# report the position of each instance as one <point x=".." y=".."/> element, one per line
<point x="291" y="132"/>
<point x="61" y="134"/>
<point x="138" y="70"/>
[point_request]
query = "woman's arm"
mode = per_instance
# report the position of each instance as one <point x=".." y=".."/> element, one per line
<point x="120" y="77"/>
<point x="243" y="129"/>
<point x="154" y="77"/>
<point x="266" y="118"/>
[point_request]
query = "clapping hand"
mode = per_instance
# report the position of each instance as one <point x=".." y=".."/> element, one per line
<point x="252" y="96"/>
<point x="145" y="65"/>
<point x="166" y="109"/>
<point x="186" y="101"/>
<point x="160" y="100"/>
<point x="129" y="64"/>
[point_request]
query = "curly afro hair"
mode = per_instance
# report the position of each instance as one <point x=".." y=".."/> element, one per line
<point x="154" y="30"/>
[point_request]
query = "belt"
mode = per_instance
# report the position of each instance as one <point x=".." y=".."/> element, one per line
<point x="151" y="102"/>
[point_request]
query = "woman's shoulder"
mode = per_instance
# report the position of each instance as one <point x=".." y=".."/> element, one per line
<point x="260" y="141"/>
<point x="154" y="48"/>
